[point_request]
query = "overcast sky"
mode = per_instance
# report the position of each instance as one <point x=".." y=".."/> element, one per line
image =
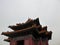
<point x="16" y="11"/>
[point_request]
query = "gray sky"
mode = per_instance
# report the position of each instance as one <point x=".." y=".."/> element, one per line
<point x="15" y="11"/>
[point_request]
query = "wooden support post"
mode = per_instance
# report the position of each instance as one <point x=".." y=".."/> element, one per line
<point x="13" y="42"/>
<point x="47" y="42"/>
<point x="28" y="41"/>
<point x="43" y="42"/>
<point x="40" y="42"/>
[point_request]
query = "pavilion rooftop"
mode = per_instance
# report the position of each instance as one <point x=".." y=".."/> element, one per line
<point x="32" y="27"/>
<point x="27" y="24"/>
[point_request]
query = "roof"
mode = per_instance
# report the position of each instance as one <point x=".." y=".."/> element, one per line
<point x="26" y="31"/>
<point x="32" y="27"/>
<point x="27" y="24"/>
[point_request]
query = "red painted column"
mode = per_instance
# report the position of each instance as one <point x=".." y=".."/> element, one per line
<point x="40" y="42"/>
<point x="26" y="42"/>
<point x="29" y="41"/>
<point x="12" y="42"/>
<point x="43" y="42"/>
<point x="47" y="42"/>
